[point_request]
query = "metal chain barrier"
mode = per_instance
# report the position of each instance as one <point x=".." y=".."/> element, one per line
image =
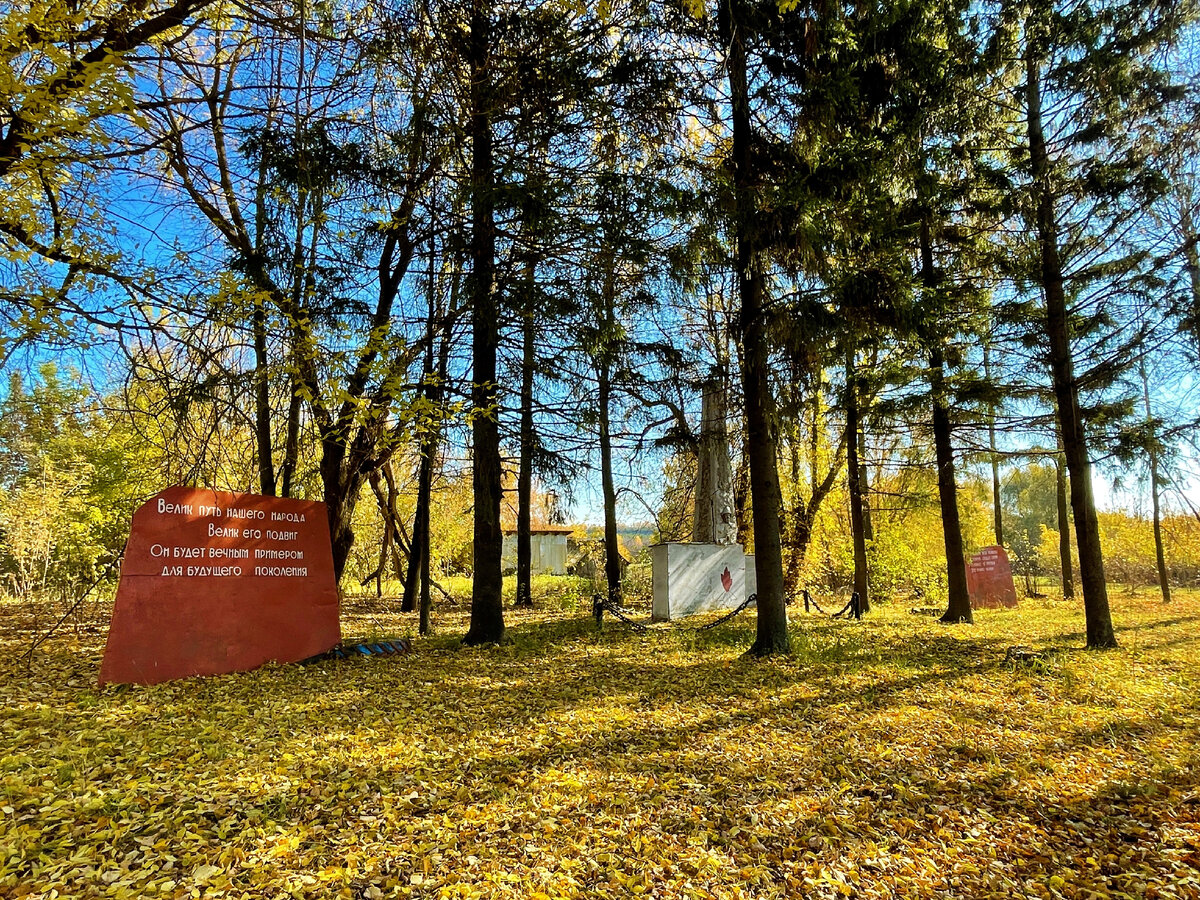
<point x="852" y="609"/>
<point x="753" y="598"/>
<point x="809" y="599"/>
<point x="600" y="604"/>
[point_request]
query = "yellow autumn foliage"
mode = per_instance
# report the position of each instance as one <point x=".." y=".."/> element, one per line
<point x="889" y="758"/>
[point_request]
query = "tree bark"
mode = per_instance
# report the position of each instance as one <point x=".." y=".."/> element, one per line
<point x="854" y="488"/>
<point x="487" y="610"/>
<point x="604" y="362"/>
<point x="1066" y="567"/>
<point x="772" y="630"/>
<point x="427" y="443"/>
<point x="1160" y="556"/>
<point x="389" y="538"/>
<point x="430" y="447"/>
<point x="1191" y="264"/>
<point x="262" y="401"/>
<point x="418" y="559"/>
<point x="612" y="550"/>
<point x="741" y="500"/>
<point x="425" y="616"/>
<point x="389" y="547"/>
<point x="1100" y="634"/>
<point x="997" y="508"/>
<point x="416" y="584"/>
<point x="820" y="486"/>
<point x="958" y="607"/>
<point x="795" y="532"/>
<point x="341" y="497"/>
<point x="291" y="444"/>
<point x="420" y="533"/>
<point x="524" y="595"/>
<point x="805" y="513"/>
<point x="864" y="484"/>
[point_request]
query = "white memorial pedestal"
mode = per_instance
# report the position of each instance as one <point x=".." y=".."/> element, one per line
<point x="695" y="578"/>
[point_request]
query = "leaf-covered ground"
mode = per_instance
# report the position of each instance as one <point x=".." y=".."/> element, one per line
<point x="889" y="758"/>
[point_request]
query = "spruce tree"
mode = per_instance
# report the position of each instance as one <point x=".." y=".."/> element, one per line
<point x="1089" y="162"/>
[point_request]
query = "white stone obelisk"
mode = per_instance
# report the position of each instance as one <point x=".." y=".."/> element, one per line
<point x="709" y="572"/>
<point x="713" y="519"/>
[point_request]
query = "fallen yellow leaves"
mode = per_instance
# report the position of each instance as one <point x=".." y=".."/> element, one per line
<point x="888" y="758"/>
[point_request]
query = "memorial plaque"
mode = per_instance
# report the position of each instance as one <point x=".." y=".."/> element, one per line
<point x="990" y="581"/>
<point x="216" y="582"/>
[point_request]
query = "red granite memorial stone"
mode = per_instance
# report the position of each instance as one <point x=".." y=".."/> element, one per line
<point x="989" y="580"/>
<point x="217" y="582"/>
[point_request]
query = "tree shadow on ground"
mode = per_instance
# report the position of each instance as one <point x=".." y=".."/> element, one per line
<point x="455" y="734"/>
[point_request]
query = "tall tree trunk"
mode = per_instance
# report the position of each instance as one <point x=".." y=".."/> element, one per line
<point x="262" y="380"/>
<point x="612" y="550"/>
<point x="958" y="608"/>
<point x="1097" y="615"/>
<point x="430" y="448"/>
<point x="262" y="401"/>
<point x="389" y="538"/>
<point x="425" y="617"/>
<point x="420" y="538"/>
<point x="805" y="513"/>
<point x="291" y="443"/>
<point x="393" y="497"/>
<point x="418" y="559"/>
<point x="772" y="631"/>
<point x="854" y="487"/>
<point x="524" y="595"/>
<point x="997" y="508"/>
<point x="741" y="500"/>
<point x="801" y="523"/>
<point x="412" y="575"/>
<point x="1066" y="567"/>
<point x="1191" y="264"/>
<point x="487" y="610"/>
<point x="385" y="497"/>
<point x="341" y="491"/>
<point x="792" y="534"/>
<point x="604" y="362"/>
<point x="864" y="484"/>
<point x="1160" y="556"/>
